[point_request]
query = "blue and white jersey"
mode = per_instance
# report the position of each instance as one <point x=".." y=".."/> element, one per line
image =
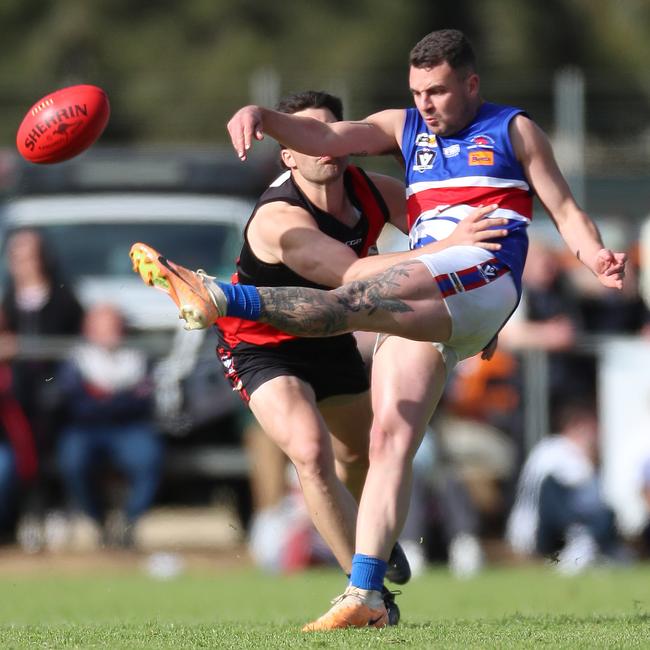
<point x="447" y="177"/>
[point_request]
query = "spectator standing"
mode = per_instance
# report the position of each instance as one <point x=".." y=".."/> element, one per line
<point x="18" y="461"/>
<point x="548" y="318"/>
<point x="36" y="303"/>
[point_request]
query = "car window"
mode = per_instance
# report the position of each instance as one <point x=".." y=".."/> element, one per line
<point x="102" y="249"/>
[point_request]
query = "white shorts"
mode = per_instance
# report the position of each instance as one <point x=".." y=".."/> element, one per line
<point x="477" y="312"/>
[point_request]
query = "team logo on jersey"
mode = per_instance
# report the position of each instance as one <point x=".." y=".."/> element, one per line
<point x="481" y="158"/>
<point x="424" y="159"/>
<point x="451" y="151"/>
<point x="488" y="271"/>
<point x="426" y="140"/>
<point x="481" y="142"/>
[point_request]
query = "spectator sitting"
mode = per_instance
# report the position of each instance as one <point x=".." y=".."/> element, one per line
<point x="107" y="401"/>
<point x="558" y="507"/>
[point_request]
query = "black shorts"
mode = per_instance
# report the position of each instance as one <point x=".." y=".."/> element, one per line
<point x="331" y="366"/>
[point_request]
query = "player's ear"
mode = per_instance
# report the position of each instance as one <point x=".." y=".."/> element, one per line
<point x="473" y="84"/>
<point x="287" y="158"/>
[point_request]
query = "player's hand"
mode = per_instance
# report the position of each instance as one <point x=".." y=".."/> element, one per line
<point x="610" y="268"/>
<point x="476" y="230"/>
<point x="244" y="126"/>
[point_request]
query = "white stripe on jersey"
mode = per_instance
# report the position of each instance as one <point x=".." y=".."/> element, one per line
<point x="281" y="179"/>
<point x="461" y="210"/>
<point x="440" y="222"/>
<point x="467" y="181"/>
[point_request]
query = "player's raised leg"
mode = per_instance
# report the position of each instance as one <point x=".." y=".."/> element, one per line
<point x="403" y="300"/>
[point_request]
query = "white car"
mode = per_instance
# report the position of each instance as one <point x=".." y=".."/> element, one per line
<point x="91" y="234"/>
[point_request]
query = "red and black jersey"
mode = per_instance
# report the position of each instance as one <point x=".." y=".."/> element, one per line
<point x="361" y="237"/>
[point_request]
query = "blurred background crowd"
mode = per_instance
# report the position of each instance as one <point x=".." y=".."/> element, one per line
<point x="112" y="417"/>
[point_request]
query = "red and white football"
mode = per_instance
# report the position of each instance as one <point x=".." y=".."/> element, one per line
<point x="63" y="124"/>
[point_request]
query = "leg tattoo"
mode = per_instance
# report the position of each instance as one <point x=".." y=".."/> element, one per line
<point x="313" y="312"/>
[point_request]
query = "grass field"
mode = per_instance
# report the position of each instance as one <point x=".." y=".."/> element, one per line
<point x="241" y="608"/>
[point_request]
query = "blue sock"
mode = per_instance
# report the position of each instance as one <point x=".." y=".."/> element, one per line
<point x="243" y="300"/>
<point x="368" y="572"/>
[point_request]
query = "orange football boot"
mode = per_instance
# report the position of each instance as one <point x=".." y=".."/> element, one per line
<point x="199" y="300"/>
<point x="354" y="608"/>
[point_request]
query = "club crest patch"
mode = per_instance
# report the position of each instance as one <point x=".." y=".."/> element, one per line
<point x="424" y="159"/>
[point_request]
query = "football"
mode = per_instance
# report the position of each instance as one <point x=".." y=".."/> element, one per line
<point x="63" y="124"/>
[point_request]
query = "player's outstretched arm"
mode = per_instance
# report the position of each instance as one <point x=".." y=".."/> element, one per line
<point x="377" y="134"/>
<point x="534" y="151"/>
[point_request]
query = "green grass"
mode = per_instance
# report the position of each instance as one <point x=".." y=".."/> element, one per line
<point x="502" y="608"/>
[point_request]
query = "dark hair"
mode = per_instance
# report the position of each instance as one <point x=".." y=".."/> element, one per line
<point x="569" y="411"/>
<point x="311" y="99"/>
<point x="47" y="260"/>
<point x="444" y="45"/>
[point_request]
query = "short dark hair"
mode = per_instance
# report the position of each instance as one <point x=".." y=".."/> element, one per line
<point x="311" y="99"/>
<point x="444" y="45"/>
<point x="571" y="410"/>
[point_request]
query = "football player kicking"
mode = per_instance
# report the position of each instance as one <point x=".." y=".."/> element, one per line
<point x="443" y="306"/>
<point x="313" y="227"/>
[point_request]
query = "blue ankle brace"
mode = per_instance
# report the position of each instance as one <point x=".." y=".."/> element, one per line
<point x="368" y="572"/>
<point x="243" y="300"/>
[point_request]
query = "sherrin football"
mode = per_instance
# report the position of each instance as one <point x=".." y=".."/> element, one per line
<point x="63" y="124"/>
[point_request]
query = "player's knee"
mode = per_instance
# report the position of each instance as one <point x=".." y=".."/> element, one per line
<point x="390" y="445"/>
<point x="312" y="461"/>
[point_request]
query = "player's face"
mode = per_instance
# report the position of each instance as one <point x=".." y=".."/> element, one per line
<point x="316" y="169"/>
<point x="446" y="98"/>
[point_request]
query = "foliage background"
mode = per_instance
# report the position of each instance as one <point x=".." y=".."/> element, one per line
<point x="175" y="70"/>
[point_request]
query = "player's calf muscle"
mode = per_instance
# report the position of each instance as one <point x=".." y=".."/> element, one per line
<point x="357" y="305"/>
<point x="302" y="311"/>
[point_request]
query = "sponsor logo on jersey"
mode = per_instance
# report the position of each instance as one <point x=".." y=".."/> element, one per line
<point x="481" y="158"/>
<point x="426" y="140"/>
<point x="424" y="159"/>
<point x="481" y="142"/>
<point x="451" y="151"/>
<point x="353" y="242"/>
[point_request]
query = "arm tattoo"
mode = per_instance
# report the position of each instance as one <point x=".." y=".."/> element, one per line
<point x="360" y="153"/>
<point x="359" y="305"/>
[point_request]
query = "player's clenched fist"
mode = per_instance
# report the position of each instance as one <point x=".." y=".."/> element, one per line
<point x="243" y="126"/>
